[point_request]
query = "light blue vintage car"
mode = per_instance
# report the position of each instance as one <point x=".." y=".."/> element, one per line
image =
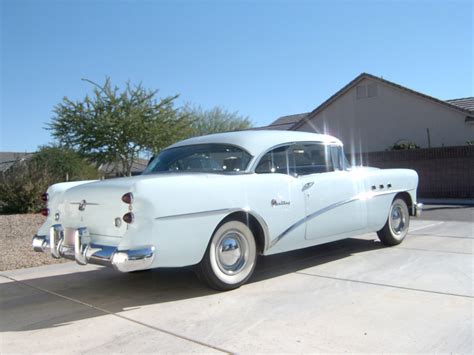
<point x="218" y="201"/>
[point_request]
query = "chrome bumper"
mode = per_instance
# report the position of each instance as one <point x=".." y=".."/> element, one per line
<point x="417" y="209"/>
<point x="84" y="251"/>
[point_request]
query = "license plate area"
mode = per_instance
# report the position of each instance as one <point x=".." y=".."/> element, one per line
<point x="69" y="236"/>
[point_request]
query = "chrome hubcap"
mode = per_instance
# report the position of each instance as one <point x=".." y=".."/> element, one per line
<point x="397" y="220"/>
<point x="231" y="252"/>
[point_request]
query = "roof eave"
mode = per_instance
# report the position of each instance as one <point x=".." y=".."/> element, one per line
<point x="359" y="78"/>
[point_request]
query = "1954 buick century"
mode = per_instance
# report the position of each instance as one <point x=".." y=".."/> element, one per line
<point x="218" y="201"/>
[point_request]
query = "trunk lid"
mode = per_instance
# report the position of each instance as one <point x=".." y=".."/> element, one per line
<point x="96" y="206"/>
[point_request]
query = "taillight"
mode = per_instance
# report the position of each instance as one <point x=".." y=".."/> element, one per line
<point x="45" y="197"/>
<point x="45" y="212"/>
<point x="128" y="217"/>
<point x="128" y="198"/>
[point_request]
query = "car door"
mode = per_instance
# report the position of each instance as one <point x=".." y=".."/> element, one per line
<point x="331" y="194"/>
<point x="278" y="198"/>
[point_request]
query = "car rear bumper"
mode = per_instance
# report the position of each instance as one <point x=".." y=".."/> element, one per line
<point x="78" y="246"/>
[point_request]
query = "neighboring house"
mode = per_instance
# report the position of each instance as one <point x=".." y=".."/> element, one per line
<point x="115" y="170"/>
<point x="8" y="159"/>
<point x="371" y="114"/>
<point x="286" y="122"/>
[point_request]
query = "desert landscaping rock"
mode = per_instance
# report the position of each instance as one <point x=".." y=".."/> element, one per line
<point x="16" y="233"/>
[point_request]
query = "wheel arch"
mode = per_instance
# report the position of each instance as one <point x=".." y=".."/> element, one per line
<point x="405" y="196"/>
<point x="256" y="224"/>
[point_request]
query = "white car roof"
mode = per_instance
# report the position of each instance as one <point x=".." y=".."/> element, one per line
<point x="258" y="141"/>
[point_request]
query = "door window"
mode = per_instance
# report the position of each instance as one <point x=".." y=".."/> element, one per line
<point x="297" y="159"/>
<point x="275" y="161"/>
<point x="311" y="159"/>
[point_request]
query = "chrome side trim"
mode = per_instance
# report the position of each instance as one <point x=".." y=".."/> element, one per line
<point x="196" y="214"/>
<point x="309" y="217"/>
<point x="362" y="196"/>
<point x="226" y="211"/>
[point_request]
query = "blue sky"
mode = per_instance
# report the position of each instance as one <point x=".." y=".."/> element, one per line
<point x="264" y="59"/>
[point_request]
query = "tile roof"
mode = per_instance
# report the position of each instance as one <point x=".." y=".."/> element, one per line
<point x="466" y="103"/>
<point x="284" y="123"/>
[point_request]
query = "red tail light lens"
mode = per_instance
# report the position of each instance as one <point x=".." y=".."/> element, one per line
<point x="45" y="212"/>
<point x="128" y="217"/>
<point x="128" y="198"/>
<point x="45" y="197"/>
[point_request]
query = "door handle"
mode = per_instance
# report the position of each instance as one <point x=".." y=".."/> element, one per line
<point x="307" y="186"/>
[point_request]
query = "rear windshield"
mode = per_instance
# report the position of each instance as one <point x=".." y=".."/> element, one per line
<point x="208" y="158"/>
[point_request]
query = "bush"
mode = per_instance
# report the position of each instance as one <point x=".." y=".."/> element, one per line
<point x="23" y="184"/>
<point x="402" y="145"/>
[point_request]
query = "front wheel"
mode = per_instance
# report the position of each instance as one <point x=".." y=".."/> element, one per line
<point x="230" y="257"/>
<point x="396" y="227"/>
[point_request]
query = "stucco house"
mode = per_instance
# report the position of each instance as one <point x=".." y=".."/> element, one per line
<point x="372" y="114"/>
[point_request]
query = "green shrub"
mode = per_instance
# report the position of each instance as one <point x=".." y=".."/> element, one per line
<point x="404" y="145"/>
<point x="22" y="185"/>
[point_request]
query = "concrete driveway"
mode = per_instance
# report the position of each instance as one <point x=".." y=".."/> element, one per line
<point x="349" y="296"/>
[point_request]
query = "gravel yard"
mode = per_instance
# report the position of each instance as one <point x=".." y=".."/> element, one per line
<point x="16" y="233"/>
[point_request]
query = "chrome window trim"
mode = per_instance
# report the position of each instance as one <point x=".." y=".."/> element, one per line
<point x="207" y="172"/>
<point x="253" y="165"/>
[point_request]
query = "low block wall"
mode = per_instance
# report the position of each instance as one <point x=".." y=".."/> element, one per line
<point x="446" y="172"/>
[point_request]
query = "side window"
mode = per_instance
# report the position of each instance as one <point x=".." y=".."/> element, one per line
<point x="275" y="161"/>
<point x="311" y="159"/>
<point x="299" y="159"/>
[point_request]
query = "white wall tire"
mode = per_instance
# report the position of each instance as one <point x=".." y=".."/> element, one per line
<point x="396" y="227"/>
<point x="230" y="257"/>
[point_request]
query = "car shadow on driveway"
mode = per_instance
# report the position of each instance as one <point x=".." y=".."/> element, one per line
<point x="55" y="301"/>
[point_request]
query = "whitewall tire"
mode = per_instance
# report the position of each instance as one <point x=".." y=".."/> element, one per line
<point x="230" y="257"/>
<point x="396" y="227"/>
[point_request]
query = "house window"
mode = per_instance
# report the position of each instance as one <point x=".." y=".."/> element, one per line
<point x="361" y="91"/>
<point x="372" y="90"/>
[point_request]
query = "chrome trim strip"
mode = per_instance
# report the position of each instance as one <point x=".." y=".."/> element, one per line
<point x="253" y="164"/>
<point x="309" y="217"/>
<point x="196" y="214"/>
<point x="362" y="196"/>
<point x="227" y="211"/>
<point x="88" y="203"/>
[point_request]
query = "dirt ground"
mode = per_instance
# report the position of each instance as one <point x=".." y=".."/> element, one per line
<point x="16" y="232"/>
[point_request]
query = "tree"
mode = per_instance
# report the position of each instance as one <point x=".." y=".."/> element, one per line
<point x="63" y="164"/>
<point x="23" y="183"/>
<point x="117" y="126"/>
<point x="215" y="120"/>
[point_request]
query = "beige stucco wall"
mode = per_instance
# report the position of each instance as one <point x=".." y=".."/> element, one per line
<point x="375" y="123"/>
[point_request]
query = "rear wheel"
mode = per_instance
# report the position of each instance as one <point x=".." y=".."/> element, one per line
<point x="230" y="257"/>
<point x="396" y="227"/>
